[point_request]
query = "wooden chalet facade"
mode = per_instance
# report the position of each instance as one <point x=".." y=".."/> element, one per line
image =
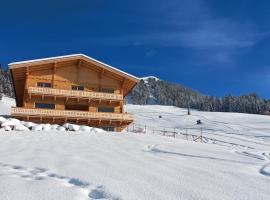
<point x="74" y="89"/>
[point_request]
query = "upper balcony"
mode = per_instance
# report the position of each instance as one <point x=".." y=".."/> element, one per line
<point x="74" y="94"/>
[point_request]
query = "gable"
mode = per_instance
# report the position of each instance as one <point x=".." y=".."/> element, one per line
<point x="75" y="69"/>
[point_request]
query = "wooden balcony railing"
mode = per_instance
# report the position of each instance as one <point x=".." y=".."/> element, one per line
<point x="17" y="111"/>
<point x="74" y="93"/>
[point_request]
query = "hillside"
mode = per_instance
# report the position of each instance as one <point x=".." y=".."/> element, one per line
<point x="151" y="91"/>
<point x="132" y="166"/>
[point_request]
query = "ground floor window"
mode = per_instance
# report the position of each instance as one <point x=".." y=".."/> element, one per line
<point x="106" y="109"/>
<point x="108" y="129"/>
<point x="45" y="105"/>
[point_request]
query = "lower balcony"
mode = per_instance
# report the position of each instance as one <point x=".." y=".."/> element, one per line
<point x="96" y="119"/>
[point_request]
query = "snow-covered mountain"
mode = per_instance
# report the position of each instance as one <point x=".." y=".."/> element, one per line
<point x="234" y="163"/>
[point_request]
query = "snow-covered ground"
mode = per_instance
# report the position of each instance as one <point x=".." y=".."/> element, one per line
<point x="92" y="165"/>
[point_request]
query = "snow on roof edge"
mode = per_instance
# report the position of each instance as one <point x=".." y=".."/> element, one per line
<point x="73" y="55"/>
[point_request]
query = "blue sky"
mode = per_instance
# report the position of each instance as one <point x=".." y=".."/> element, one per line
<point x="213" y="46"/>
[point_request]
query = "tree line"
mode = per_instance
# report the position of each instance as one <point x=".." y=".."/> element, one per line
<point x="165" y="93"/>
<point x="6" y="86"/>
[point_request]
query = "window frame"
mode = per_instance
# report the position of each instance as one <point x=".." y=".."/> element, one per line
<point x="50" y="106"/>
<point x="103" y="109"/>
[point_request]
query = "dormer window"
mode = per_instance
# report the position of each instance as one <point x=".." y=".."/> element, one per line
<point x="42" y="84"/>
<point x="77" y="87"/>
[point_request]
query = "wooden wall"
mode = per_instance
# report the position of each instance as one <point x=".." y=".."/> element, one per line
<point x="72" y="73"/>
<point x="63" y="76"/>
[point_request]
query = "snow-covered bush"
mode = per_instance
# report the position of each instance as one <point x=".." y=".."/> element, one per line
<point x="29" y="124"/>
<point x="46" y="127"/>
<point x="85" y="128"/>
<point x="61" y="128"/>
<point x="97" y="130"/>
<point x="54" y="126"/>
<point x="37" y="128"/>
<point x="2" y="119"/>
<point x="73" y="127"/>
<point x="11" y="122"/>
<point x="66" y="125"/>
<point x="20" y="127"/>
<point x="7" y="128"/>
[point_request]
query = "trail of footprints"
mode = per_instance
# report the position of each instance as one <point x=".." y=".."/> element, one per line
<point x="38" y="174"/>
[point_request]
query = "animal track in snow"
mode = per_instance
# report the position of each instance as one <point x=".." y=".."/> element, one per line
<point x="265" y="169"/>
<point x="38" y="174"/>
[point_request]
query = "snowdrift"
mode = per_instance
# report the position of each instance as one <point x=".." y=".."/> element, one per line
<point x="9" y="124"/>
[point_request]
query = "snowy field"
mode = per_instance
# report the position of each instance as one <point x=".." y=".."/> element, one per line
<point x="132" y="166"/>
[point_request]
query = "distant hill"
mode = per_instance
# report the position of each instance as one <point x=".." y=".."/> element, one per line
<point x="152" y="90"/>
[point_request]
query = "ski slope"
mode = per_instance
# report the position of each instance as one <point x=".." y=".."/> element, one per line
<point x="131" y="166"/>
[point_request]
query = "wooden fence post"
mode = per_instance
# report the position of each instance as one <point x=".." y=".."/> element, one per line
<point x="201" y="134"/>
<point x="145" y="129"/>
<point x="186" y="134"/>
<point x="164" y="131"/>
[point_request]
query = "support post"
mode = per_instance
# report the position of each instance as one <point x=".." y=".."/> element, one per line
<point x="145" y="129"/>
<point x="201" y="134"/>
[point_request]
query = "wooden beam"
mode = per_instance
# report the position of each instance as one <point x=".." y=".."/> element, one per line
<point x="100" y="79"/>
<point x="78" y="70"/>
<point x="53" y="74"/>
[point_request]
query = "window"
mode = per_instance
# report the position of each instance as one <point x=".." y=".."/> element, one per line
<point x="45" y="105"/>
<point x="105" y="109"/>
<point x="41" y="84"/>
<point x="107" y="90"/>
<point x="77" y="87"/>
<point x="108" y="128"/>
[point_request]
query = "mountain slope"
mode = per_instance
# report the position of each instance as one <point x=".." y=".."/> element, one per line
<point x="151" y="90"/>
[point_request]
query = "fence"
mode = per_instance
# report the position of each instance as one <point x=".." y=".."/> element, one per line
<point x="192" y="134"/>
<point x="188" y="133"/>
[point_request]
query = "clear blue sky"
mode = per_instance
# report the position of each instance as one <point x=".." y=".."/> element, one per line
<point x="213" y="46"/>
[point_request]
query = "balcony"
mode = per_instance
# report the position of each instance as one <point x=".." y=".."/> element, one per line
<point x="27" y="112"/>
<point x="74" y="94"/>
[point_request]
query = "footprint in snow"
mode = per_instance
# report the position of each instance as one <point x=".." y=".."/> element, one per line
<point x="39" y="174"/>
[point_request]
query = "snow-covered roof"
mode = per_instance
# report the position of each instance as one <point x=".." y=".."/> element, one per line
<point x="15" y="64"/>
